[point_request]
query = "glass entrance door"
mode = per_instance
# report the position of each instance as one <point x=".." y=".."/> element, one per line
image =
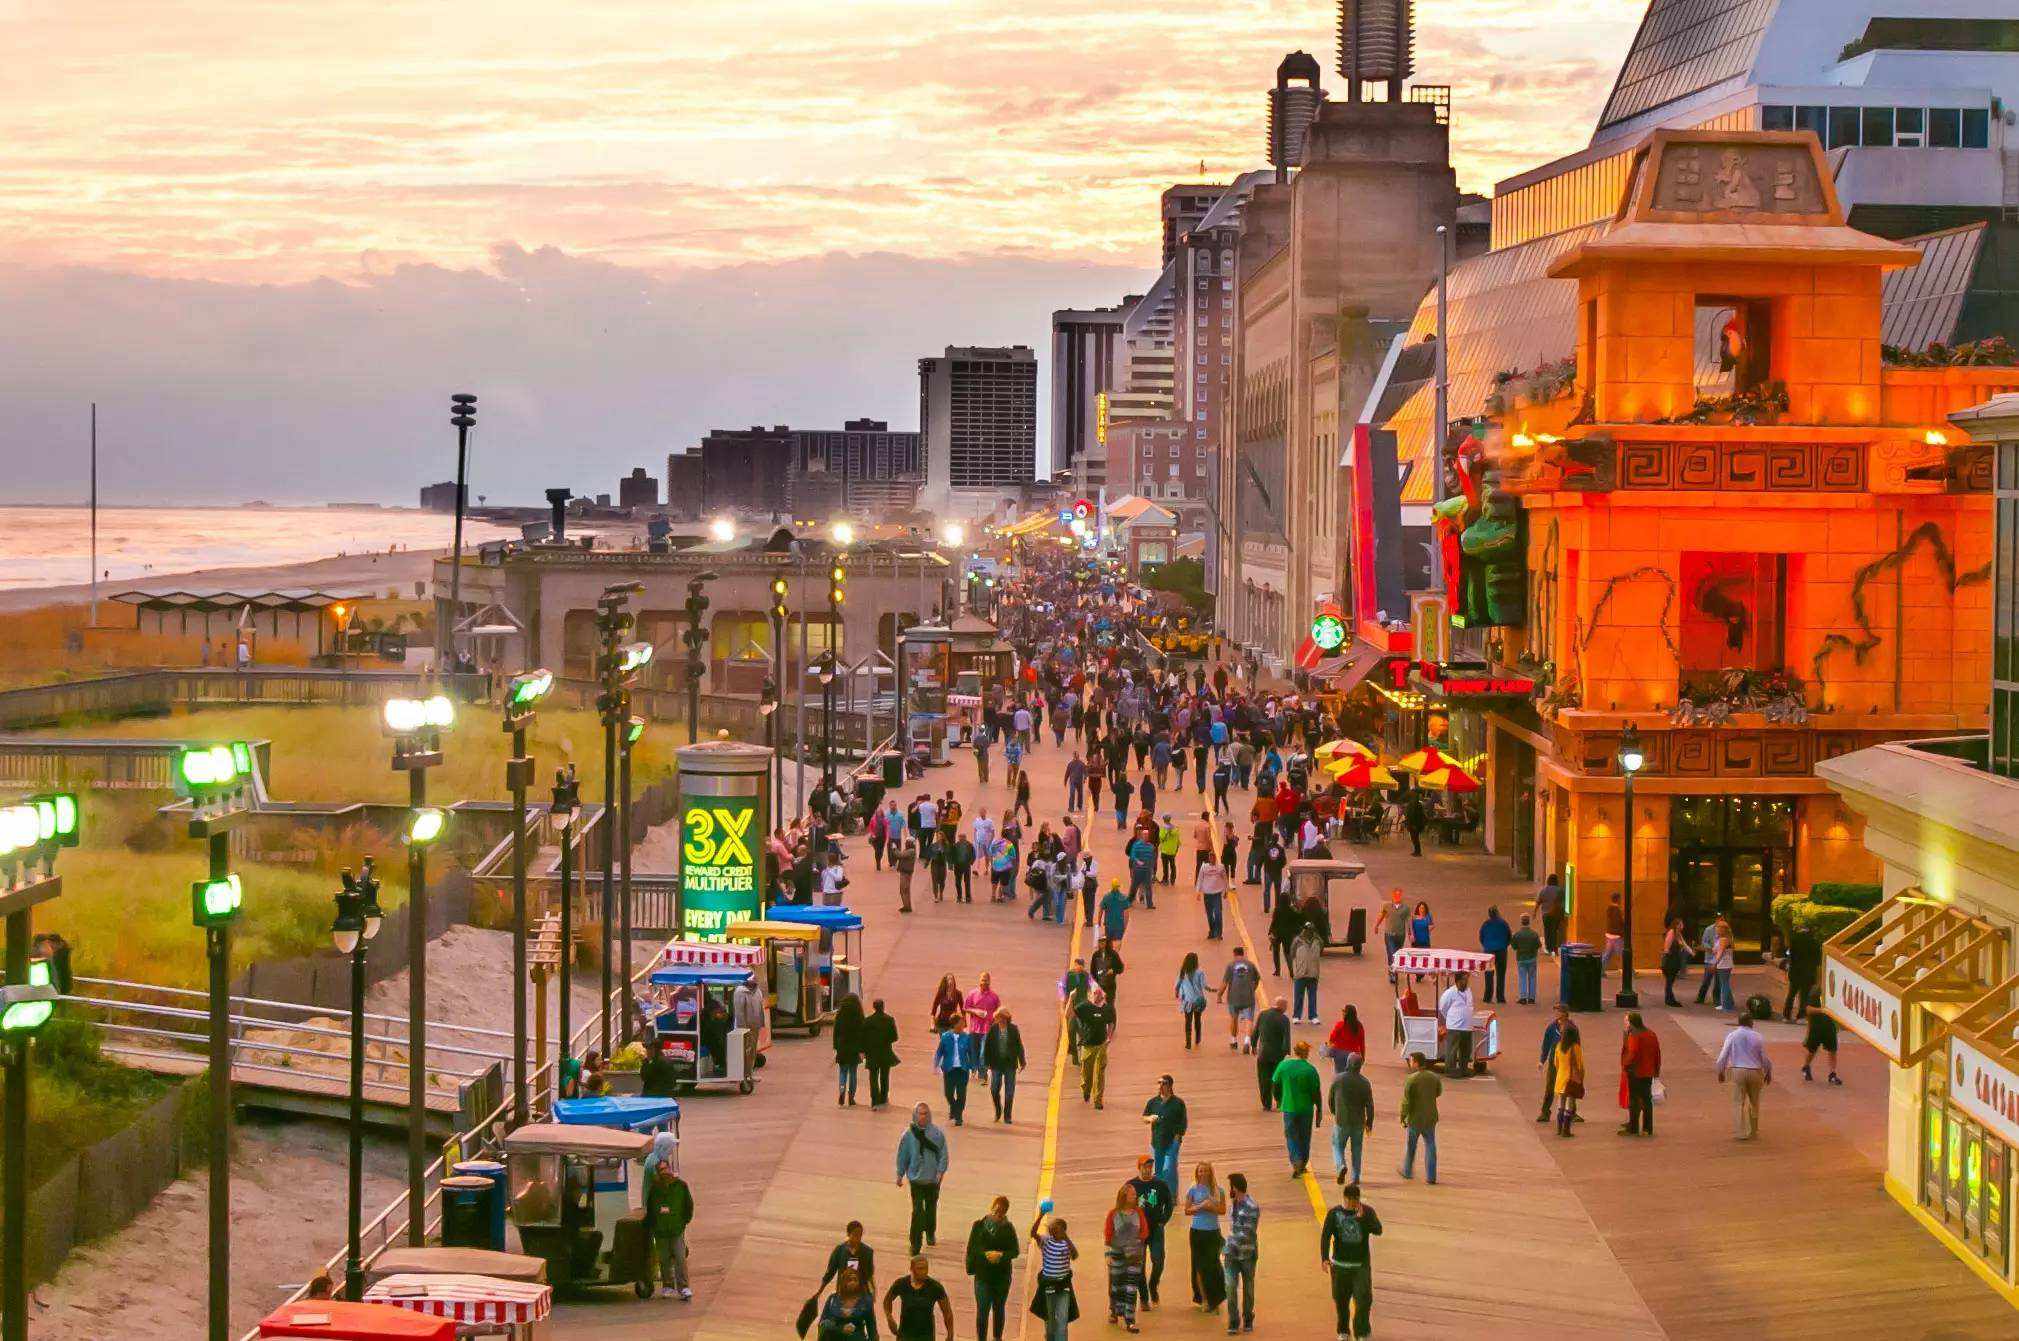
<point x="1739" y="883"/>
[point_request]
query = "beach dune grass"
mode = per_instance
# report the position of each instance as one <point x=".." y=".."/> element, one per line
<point x="330" y="753"/>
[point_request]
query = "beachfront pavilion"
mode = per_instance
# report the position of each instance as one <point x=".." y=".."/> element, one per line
<point x="182" y="613"/>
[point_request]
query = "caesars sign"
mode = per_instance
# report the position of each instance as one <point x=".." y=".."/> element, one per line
<point x="1984" y="1089"/>
<point x="718" y="865"/>
<point x="1862" y="1006"/>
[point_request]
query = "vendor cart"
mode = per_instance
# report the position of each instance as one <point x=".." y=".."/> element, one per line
<point x="1420" y="977"/>
<point x="338" y="1320"/>
<point x="791" y="973"/>
<point x="478" y="1305"/>
<point x="840" y="957"/>
<point x="455" y="1262"/>
<point x="577" y="1204"/>
<point x="625" y="1112"/>
<point x="1343" y="892"/>
<point x="694" y="1029"/>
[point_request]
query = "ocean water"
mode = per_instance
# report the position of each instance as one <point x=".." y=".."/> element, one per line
<point x="51" y="546"/>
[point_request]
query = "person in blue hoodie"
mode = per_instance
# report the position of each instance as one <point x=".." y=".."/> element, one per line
<point x="1494" y="937"/>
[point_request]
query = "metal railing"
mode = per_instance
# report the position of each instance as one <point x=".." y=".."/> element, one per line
<point x="481" y="1138"/>
<point x="147" y="1013"/>
<point x="162" y="688"/>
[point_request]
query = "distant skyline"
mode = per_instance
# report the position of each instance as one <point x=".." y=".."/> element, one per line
<point x="270" y="240"/>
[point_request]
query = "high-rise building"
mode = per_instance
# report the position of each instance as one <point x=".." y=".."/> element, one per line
<point x="744" y="470"/>
<point x="440" y="497"/>
<point x="1182" y="206"/>
<point x="1087" y="366"/>
<point x="638" y="490"/>
<point x="978" y="415"/>
<point x="863" y="469"/>
<point x="1377" y="43"/>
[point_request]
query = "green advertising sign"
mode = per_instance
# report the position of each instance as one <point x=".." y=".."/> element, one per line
<point x="719" y="874"/>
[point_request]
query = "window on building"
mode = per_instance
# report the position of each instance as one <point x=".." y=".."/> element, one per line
<point x="1815" y="120"/>
<point x="1200" y="432"/>
<point x="1734" y="615"/>
<point x="1945" y="128"/>
<point x="1877" y="130"/>
<point x="1976" y="128"/>
<point x="1843" y="127"/>
<point x="1910" y="126"/>
<point x="1227" y="285"/>
<point x="1777" y="116"/>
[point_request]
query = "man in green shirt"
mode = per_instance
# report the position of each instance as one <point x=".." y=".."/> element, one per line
<point x="1297" y="1088"/>
<point x="1526" y="943"/>
<point x="1419" y="1116"/>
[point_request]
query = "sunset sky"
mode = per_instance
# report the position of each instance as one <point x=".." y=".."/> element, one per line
<point x="270" y="237"/>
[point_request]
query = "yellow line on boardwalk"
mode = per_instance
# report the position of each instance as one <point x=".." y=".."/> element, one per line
<point x="1048" y="1158"/>
<point x="1310" y="1180"/>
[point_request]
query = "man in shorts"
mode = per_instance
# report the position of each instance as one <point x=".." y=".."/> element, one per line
<point x="1238" y="985"/>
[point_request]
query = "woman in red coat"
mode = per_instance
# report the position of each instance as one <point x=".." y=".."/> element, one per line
<point x="1639" y="1068"/>
<point x="1347" y="1039"/>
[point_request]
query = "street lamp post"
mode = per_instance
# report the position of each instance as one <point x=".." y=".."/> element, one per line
<point x="695" y="636"/>
<point x="357" y="924"/>
<point x="463" y="414"/>
<point x="521" y="700"/>
<point x="616" y="665"/>
<point x="837" y="584"/>
<point x="567" y="799"/>
<point x="415" y="726"/>
<point x="30" y="834"/>
<point x="1631" y="761"/>
<point x="216" y="779"/>
<point x="773" y="687"/>
<point x="634" y="727"/>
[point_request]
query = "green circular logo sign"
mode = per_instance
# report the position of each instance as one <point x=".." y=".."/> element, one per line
<point x="1328" y="632"/>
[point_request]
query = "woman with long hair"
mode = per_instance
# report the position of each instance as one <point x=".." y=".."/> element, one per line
<point x="1569" y="1078"/>
<point x="1204" y="1204"/>
<point x="1421" y="923"/>
<point x="847" y="1048"/>
<point x="1191" y="993"/>
<point x="1126" y="1232"/>
<point x="1675" y="955"/>
<point x="1347" y="1039"/>
<point x="948" y="1010"/>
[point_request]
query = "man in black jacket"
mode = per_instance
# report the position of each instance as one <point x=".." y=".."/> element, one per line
<point x="879" y="1052"/>
<point x="991" y="1258"/>
<point x="1002" y="1052"/>
<point x="853" y="1252"/>
<point x="1156" y="1200"/>
<point x="1272" y="1045"/>
<point x="1345" y="1251"/>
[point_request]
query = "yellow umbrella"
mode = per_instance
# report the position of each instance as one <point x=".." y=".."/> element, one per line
<point x="1334" y="750"/>
<point x="1360" y="774"/>
<point x="1449" y="778"/>
<point x="1424" y="760"/>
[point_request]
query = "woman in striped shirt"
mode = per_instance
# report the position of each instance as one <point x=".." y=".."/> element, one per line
<point x="1054" y="1301"/>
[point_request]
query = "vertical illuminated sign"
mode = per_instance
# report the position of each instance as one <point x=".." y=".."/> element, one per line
<point x="720" y="880"/>
<point x="1101" y="418"/>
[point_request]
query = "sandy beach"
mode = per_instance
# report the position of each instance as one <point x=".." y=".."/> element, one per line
<point x="382" y="575"/>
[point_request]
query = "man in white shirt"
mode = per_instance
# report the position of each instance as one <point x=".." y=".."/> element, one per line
<point x="1743" y="1060"/>
<point x="833" y="880"/>
<point x="984" y="831"/>
<point x="1454" y="1008"/>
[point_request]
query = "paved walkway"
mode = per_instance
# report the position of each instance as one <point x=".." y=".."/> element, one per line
<point x="1690" y="1235"/>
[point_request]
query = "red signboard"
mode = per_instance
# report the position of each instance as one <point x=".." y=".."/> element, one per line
<point x="1467" y="682"/>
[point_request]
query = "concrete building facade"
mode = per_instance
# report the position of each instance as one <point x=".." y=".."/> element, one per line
<point x="978" y="417"/>
<point x="1087" y="367"/>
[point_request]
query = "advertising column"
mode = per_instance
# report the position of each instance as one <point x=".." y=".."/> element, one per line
<point x="725" y="805"/>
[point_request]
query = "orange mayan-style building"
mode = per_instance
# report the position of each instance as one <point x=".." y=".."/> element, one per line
<point x="1739" y="533"/>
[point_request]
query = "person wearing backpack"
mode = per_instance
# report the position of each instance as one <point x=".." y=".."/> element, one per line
<point x="1345" y="1253"/>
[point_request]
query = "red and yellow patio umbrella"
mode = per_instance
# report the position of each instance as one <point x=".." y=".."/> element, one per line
<point x="1449" y="778"/>
<point x="1333" y="751"/>
<point x="1360" y="774"/>
<point x="1425" y="760"/>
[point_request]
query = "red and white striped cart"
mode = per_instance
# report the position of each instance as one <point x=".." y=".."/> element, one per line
<point x="711" y="954"/>
<point x="1418" y="1027"/>
<point x="478" y="1305"/>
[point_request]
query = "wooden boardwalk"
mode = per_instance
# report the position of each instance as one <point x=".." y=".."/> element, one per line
<point x="1689" y="1235"/>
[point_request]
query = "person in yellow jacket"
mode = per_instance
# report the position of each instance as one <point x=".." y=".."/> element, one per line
<point x="1569" y="1070"/>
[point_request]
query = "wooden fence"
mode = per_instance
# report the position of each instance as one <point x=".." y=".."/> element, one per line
<point x="159" y="691"/>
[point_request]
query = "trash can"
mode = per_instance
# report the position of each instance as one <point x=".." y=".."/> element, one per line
<point x="466" y="1212"/>
<point x="1581" y="978"/>
<point x="1356" y="929"/>
<point x="893" y="769"/>
<point x="493" y="1170"/>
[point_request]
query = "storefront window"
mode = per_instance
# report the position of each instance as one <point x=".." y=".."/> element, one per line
<point x="1964" y="1173"/>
